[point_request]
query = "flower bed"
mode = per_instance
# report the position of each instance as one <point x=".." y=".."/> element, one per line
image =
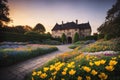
<point x="10" y="56"/>
<point x="112" y="45"/>
<point x="79" y="67"/>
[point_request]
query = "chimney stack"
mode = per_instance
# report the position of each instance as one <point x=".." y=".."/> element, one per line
<point x="76" y="21"/>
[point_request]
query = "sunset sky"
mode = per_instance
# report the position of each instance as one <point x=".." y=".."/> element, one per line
<point x="50" y="12"/>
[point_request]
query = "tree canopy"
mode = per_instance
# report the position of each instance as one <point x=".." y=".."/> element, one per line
<point x="4" y="12"/>
<point x="39" y="28"/>
<point x="111" y="26"/>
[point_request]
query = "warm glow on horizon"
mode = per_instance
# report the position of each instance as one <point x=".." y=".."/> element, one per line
<point x="25" y="12"/>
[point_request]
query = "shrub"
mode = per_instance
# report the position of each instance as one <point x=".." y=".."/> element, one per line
<point x="76" y="37"/>
<point x="64" y="39"/>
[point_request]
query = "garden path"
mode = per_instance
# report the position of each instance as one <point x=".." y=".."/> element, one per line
<point x="18" y="71"/>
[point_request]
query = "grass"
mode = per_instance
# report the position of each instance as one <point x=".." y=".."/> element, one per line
<point x="11" y="56"/>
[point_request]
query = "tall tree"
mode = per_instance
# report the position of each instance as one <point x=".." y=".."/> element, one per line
<point x="76" y="37"/>
<point x="4" y="12"/>
<point x="39" y="28"/>
<point x="111" y="26"/>
<point x="64" y="40"/>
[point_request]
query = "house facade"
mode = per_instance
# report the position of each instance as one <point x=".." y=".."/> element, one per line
<point x="70" y="28"/>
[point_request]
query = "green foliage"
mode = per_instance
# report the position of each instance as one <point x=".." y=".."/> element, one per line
<point x="20" y="37"/>
<point x="76" y="37"/>
<point x="64" y="39"/>
<point x="11" y="56"/>
<point x="39" y="28"/>
<point x="94" y="37"/>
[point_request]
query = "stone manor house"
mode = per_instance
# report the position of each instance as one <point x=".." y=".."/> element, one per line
<point x="70" y="28"/>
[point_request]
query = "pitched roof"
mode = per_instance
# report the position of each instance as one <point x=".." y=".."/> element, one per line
<point x="71" y="25"/>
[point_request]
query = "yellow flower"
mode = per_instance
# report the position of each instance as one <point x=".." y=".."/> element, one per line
<point x="62" y="79"/>
<point x="65" y="69"/>
<point x="93" y="72"/>
<point x="72" y="63"/>
<point x="97" y="63"/>
<point x="114" y="58"/>
<point x="87" y="69"/>
<point x="119" y="56"/>
<point x="56" y="64"/>
<point x="57" y="68"/>
<point x="102" y="61"/>
<point x="64" y="73"/>
<point x="34" y="73"/>
<point x="54" y="73"/>
<point x="91" y="64"/>
<point x="43" y="75"/>
<point x="39" y="72"/>
<point x="32" y="78"/>
<point x="72" y="72"/>
<point x="52" y="67"/>
<point x="103" y="76"/>
<point x="112" y="62"/>
<point x="109" y="68"/>
<point x="88" y="78"/>
<point x="79" y="78"/>
<point x="45" y="69"/>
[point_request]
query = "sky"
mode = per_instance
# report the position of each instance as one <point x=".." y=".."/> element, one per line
<point x="50" y="12"/>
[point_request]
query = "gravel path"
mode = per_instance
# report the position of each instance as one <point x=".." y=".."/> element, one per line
<point x="18" y="71"/>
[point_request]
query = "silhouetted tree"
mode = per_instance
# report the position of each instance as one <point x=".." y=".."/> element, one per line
<point x="39" y="28"/>
<point x="76" y="37"/>
<point x="111" y="26"/>
<point x="4" y="12"/>
<point x="20" y="29"/>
